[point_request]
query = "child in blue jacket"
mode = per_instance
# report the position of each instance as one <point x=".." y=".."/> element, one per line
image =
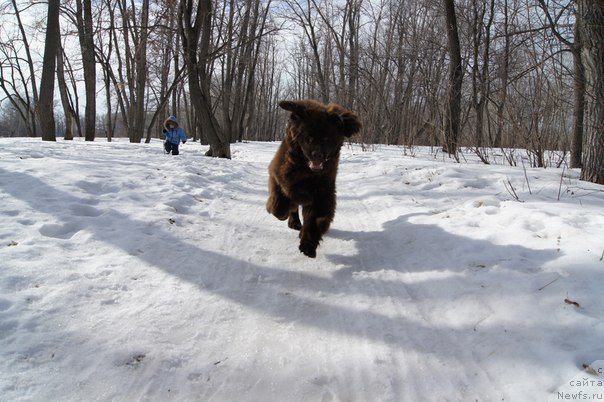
<point x="174" y="135"/>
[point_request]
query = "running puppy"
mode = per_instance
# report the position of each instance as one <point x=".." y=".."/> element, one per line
<point x="303" y="171"/>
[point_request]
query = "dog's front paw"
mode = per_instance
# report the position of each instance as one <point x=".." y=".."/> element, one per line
<point x="278" y="206"/>
<point x="308" y="249"/>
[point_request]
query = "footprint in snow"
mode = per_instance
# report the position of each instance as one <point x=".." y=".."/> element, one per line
<point x="58" y="231"/>
<point x="96" y="188"/>
<point x="84" y="210"/>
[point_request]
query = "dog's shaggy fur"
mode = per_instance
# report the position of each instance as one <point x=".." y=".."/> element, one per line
<point x="303" y="171"/>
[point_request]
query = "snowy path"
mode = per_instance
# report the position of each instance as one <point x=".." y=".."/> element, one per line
<point x="131" y="275"/>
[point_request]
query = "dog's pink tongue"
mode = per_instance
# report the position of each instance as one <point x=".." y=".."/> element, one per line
<point x="315" y="165"/>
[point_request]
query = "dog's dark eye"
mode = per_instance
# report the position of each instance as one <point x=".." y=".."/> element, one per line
<point x="309" y="140"/>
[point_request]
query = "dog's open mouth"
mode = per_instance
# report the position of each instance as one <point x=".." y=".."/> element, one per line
<point x="315" y="166"/>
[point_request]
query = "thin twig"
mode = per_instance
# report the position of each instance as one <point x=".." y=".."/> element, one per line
<point x="526" y="177"/>
<point x="480" y="321"/>
<point x="561" y="179"/>
<point x="511" y="190"/>
<point x="547" y="284"/>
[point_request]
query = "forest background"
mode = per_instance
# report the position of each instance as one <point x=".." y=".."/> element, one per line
<point x="473" y="74"/>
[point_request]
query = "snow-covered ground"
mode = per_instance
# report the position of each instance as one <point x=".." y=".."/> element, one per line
<point x="127" y="274"/>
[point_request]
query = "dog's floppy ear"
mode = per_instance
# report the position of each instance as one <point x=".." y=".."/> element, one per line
<point x="296" y="108"/>
<point x="348" y="123"/>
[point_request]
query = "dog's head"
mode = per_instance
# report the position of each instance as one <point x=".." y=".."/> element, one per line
<point x="319" y="130"/>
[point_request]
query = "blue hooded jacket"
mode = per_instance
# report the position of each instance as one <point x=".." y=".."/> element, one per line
<point x="174" y="135"/>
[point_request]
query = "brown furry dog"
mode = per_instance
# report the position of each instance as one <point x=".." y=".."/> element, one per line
<point x="303" y="171"/>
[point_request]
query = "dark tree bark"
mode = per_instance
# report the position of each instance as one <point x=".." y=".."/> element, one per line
<point x="505" y="72"/>
<point x="86" y="36"/>
<point x="140" y="60"/>
<point x="590" y="14"/>
<point x="354" y="23"/>
<point x="45" y="108"/>
<point x="108" y="76"/>
<point x="453" y="112"/>
<point x="576" y="146"/>
<point x="196" y="31"/>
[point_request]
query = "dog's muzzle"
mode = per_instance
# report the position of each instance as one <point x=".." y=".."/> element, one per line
<point x="316" y="166"/>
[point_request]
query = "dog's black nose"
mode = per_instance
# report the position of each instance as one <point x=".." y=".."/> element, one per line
<point x="317" y="154"/>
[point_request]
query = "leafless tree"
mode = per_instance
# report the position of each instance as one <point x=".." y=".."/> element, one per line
<point x="305" y="14"/>
<point x="71" y="117"/>
<point x="591" y="25"/>
<point x="166" y="72"/>
<point x="86" y="36"/>
<point x="222" y="65"/>
<point x="195" y="22"/>
<point x="246" y="26"/>
<point x="578" y="72"/>
<point x="482" y="21"/>
<point x="19" y="81"/>
<point x="452" y="120"/>
<point x="45" y="107"/>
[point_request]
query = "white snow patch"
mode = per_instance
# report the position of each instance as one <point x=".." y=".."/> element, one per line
<point x="127" y="274"/>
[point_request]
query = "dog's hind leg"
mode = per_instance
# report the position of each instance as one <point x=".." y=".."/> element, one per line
<point x="294" y="219"/>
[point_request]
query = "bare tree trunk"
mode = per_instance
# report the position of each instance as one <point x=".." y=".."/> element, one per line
<point x="480" y="76"/>
<point x="68" y="110"/>
<point x="140" y="60"/>
<point x="118" y="81"/>
<point x="196" y="34"/>
<point x="591" y="21"/>
<point x="86" y="35"/>
<point x="498" y="140"/>
<point x="354" y="10"/>
<point x="47" y="87"/>
<point x="578" y="84"/>
<point x="242" y="105"/>
<point x="109" y="124"/>
<point x="175" y="107"/>
<point x="73" y="95"/>
<point x="453" y="112"/>
<point x="579" y="102"/>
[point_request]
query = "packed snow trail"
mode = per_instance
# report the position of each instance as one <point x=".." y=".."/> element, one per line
<point x="132" y="275"/>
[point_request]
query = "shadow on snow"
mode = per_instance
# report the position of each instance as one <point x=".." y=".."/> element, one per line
<point x="284" y="294"/>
